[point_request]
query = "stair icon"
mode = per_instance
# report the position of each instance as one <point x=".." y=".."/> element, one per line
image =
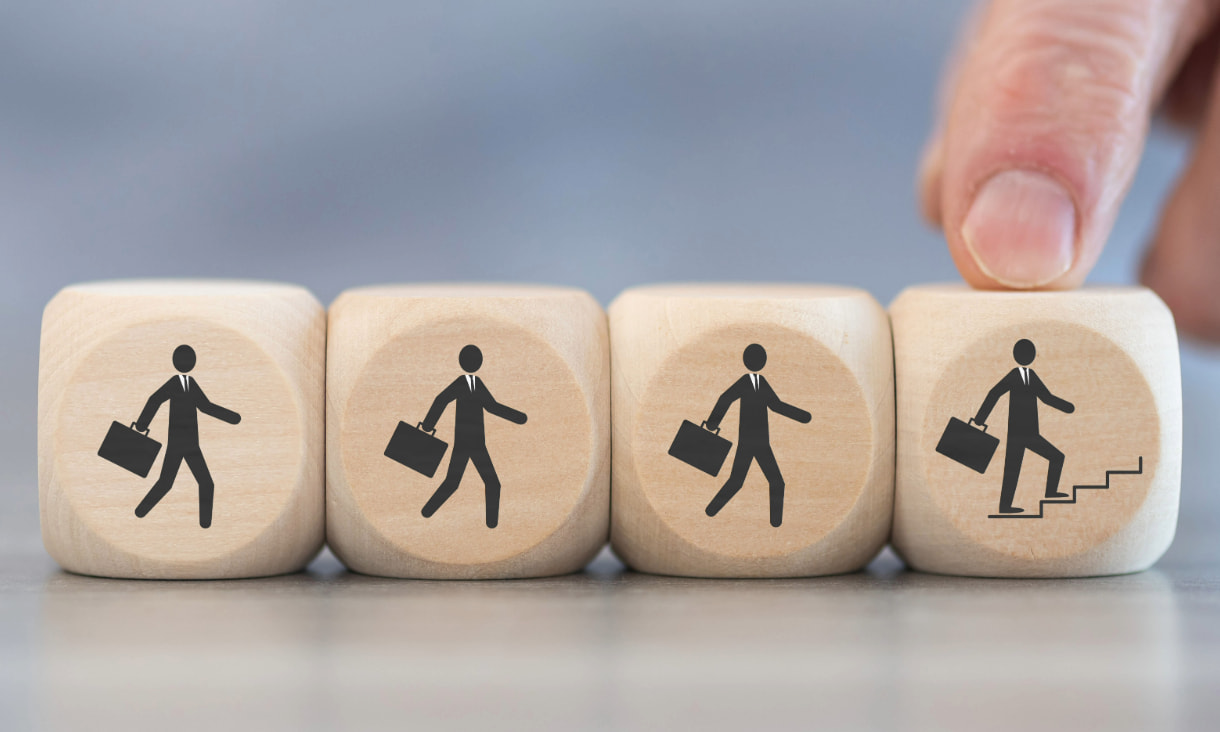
<point x="1075" y="490"/>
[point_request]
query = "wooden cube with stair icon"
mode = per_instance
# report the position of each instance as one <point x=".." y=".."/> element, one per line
<point x="468" y="431"/>
<point x="753" y="429"/>
<point x="180" y="428"/>
<point x="1039" y="433"/>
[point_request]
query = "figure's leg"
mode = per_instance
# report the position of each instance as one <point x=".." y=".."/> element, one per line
<point x="491" y="485"/>
<point x="169" y="471"/>
<point x="199" y="469"/>
<point x="457" y="466"/>
<point x="775" y="481"/>
<point x="741" y="466"/>
<point x="1013" y="455"/>
<point x="1040" y="446"/>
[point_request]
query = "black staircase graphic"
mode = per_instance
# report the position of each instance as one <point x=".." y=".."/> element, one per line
<point x="1075" y="490"/>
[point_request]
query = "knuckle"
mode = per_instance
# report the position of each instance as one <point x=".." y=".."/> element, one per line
<point x="1082" y="67"/>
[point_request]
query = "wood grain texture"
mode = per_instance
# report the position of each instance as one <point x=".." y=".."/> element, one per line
<point x="1109" y="353"/>
<point x="393" y="350"/>
<point x="260" y="348"/>
<point x="675" y="351"/>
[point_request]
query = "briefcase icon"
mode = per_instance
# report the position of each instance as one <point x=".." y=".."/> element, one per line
<point x="130" y="449"/>
<point x="418" y="450"/>
<point x="700" y="447"/>
<point x="967" y="444"/>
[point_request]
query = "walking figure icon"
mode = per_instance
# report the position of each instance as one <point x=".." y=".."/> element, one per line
<point x="702" y="447"/>
<point x="133" y="450"/>
<point x="419" y="449"/>
<point x="972" y="447"/>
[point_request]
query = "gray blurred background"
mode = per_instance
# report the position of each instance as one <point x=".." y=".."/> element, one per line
<point x="600" y="145"/>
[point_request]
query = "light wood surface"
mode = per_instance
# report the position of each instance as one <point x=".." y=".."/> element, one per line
<point x="675" y="350"/>
<point x="1110" y="354"/>
<point x="392" y="351"/>
<point x="260" y="350"/>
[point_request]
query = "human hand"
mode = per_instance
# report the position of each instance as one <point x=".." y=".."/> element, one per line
<point x="1043" y="121"/>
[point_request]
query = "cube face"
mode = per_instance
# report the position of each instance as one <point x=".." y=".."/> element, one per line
<point x="513" y="472"/>
<point x="798" y="383"/>
<point x="228" y="378"/>
<point x="1078" y="469"/>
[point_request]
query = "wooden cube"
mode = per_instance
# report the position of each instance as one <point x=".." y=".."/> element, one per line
<point x="180" y="428"/>
<point x="1039" y="433"/>
<point x="468" y="431"/>
<point x="753" y="429"/>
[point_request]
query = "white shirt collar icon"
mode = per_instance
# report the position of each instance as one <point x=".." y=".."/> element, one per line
<point x="1025" y="375"/>
<point x="470" y="380"/>
<point x="185" y="382"/>
<point x="754" y="380"/>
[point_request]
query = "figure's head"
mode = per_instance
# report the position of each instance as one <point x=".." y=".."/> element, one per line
<point x="470" y="359"/>
<point x="755" y="357"/>
<point x="1024" y="352"/>
<point x="184" y="358"/>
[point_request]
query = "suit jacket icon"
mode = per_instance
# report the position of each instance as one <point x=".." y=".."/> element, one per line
<point x="468" y="412"/>
<point x="753" y="439"/>
<point x="185" y="403"/>
<point x="755" y="427"/>
<point x="186" y="400"/>
<point x="1022" y="402"/>
<point x="1024" y="392"/>
<point x="469" y="441"/>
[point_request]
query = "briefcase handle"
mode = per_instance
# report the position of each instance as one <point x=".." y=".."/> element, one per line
<point x="420" y="427"/>
<point x="976" y="424"/>
<point x="137" y="429"/>
<point x="703" y="424"/>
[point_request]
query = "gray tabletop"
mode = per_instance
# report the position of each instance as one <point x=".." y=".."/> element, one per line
<point x="608" y="649"/>
<point x="598" y="145"/>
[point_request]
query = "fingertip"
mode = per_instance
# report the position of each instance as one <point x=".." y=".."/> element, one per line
<point x="1020" y="231"/>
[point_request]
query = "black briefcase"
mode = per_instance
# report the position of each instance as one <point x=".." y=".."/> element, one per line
<point x="129" y="449"/>
<point x="418" y="450"/>
<point x="700" y="448"/>
<point x="967" y="444"/>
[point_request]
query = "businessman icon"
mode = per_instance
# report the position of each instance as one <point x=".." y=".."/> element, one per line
<point x="1024" y="390"/>
<point x="469" y="438"/>
<point x="754" y="435"/>
<point x="186" y="400"/>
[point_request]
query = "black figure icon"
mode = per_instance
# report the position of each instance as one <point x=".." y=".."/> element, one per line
<point x="754" y="434"/>
<point x="469" y="438"/>
<point x="186" y="400"/>
<point x="1024" y="390"/>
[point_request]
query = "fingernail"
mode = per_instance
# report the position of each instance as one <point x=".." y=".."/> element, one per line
<point x="1021" y="229"/>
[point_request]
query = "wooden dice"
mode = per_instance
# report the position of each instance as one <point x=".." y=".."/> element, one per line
<point x="180" y="429"/>
<point x="1039" y="434"/>
<point x="468" y="431"/>
<point x="753" y="430"/>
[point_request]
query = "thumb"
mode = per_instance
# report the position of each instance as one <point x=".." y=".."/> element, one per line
<point x="1045" y="130"/>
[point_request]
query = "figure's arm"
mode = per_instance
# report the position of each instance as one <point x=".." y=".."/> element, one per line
<point x="791" y="412"/>
<point x="1053" y="401"/>
<point x="438" y="405"/>
<point x="154" y="403"/>
<point x="722" y="405"/>
<point x="500" y="410"/>
<point x="989" y="403"/>
<point x="213" y="410"/>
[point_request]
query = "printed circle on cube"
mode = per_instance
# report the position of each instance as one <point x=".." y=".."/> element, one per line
<point x="824" y="463"/>
<point x="254" y="465"/>
<point x="1113" y="427"/>
<point x="542" y="465"/>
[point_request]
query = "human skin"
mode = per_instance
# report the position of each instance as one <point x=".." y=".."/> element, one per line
<point x="1044" y="113"/>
